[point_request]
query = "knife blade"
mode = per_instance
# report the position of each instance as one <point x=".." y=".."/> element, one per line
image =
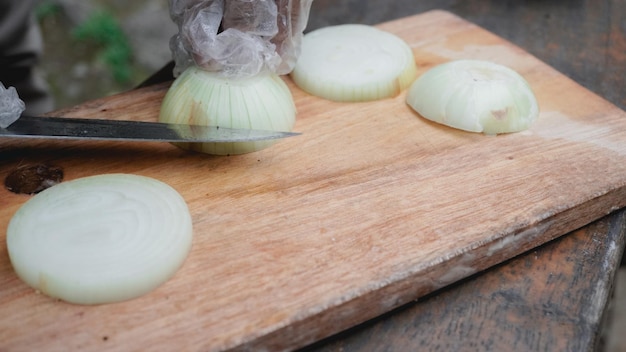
<point x="126" y="130"/>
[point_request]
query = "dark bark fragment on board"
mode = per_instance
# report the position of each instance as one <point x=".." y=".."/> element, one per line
<point x="31" y="179"/>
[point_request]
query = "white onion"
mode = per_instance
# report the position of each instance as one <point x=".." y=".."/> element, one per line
<point x="354" y="62"/>
<point x="100" y="239"/>
<point x="475" y="96"/>
<point x="199" y="97"/>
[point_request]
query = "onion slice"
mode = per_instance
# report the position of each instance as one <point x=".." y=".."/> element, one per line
<point x="100" y="239"/>
<point x="474" y="96"/>
<point x="199" y="97"/>
<point x="354" y="62"/>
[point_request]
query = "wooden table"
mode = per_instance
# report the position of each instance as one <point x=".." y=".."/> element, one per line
<point x="553" y="298"/>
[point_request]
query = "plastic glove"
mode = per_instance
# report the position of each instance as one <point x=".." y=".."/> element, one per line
<point x="11" y="106"/>
<point x="238" y="37"/>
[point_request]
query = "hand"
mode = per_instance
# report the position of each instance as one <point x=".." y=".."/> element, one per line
<point x="238" y="37"/>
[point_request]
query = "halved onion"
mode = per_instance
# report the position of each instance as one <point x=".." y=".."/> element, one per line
<point x="475" y="96"/>
<point x="100" y="239"/>
<point x="199" y="97"/>
<point x="354" y="62"/>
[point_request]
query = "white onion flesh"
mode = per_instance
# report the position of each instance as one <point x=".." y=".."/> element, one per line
<point x="475" y="96"/>
<point x="353" y="62"/>
<point x="100" y="239"/>
<point x="199" y="97"/>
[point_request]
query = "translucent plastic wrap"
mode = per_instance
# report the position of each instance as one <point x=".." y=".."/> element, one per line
<point x="11" y="106"/>
<point x="238" y="38"/>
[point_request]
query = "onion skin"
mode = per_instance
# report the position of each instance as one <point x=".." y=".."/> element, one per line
<point x="354" y="63"/>
<point x="199" y="97"/>
<point x="474" y="96"/>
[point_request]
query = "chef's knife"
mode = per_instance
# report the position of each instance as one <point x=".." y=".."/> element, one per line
<point x="98" y="129"/>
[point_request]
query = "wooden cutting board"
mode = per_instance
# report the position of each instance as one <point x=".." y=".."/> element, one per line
<point x="370" y="208"/>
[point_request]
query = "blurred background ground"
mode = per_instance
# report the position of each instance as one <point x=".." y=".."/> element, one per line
<point x="95" y="48"/>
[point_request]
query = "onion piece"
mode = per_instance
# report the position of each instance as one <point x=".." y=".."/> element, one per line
<point x="354" y="62"/>
<point x="474" y="96"/>
<point x="100" y="239"/>
<point x="199" y="97"/>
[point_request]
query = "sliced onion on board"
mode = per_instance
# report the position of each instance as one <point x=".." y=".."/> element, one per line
<point x="474" y="96"/>
<point x="354" y="62"/>
<point x="199" y="97"/>
<point x="100" y="239"/>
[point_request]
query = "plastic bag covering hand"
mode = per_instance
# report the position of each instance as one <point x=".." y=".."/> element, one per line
<point x="238" y="38"/>
<point x="11" y="106"/>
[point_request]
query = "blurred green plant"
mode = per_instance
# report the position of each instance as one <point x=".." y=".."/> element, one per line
<point x="103" y="29"/>
<point x="46" y="9"/>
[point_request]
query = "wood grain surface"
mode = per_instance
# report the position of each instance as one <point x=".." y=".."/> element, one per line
<point x="369" y="209"/>
<point x="552" y="298"/>
<point x="590" y="51"/>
